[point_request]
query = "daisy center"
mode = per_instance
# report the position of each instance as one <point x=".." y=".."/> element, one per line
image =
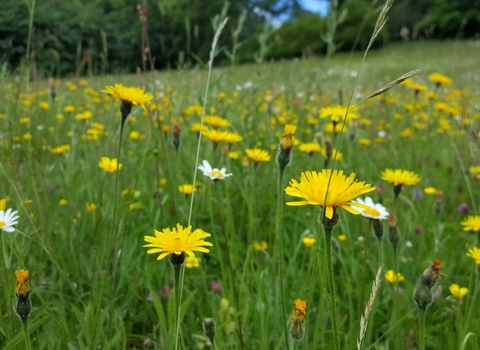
<point x="2" y="223"/>
<point x="372" y="211"/>
<point x="217" y="173"/>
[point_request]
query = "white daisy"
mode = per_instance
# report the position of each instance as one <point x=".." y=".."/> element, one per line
<point x="213" y="173"/>
<point x="8" y="219"/>
<point x="375" y="211"/>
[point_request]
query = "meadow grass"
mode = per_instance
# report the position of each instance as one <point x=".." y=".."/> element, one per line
<point x="65" y="246"/>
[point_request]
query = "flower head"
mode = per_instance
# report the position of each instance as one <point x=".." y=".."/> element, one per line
<point x="22" y="287"/>
<point x="8" y="219"/>
<point x="393" y="277"/>
<point x="400" y="177"/>
<point x="471" y="223"/>
<point x="299" y="312"/>
<point x="474" y="253"/>
<point x="109" y="165"/>
<point x="373" y="210"/>
<point x="213" y="173"/>
<point x="258" y="155"/>
<point x="458" y="292"/>
<point x="308" y="241"/>
<point x="440" y="79"/>
<point x="177" y="241"/>
<point x="287" y="138"/>
<point x="129" y="95"/>
<point x="192" y="262"/>
<point x="314" y="187"/>
<point x="186" y="189"/>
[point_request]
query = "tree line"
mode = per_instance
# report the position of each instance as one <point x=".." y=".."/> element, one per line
<point x="110" y="36"/>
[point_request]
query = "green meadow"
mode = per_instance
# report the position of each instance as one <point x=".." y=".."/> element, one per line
<point x="81" y="227"/>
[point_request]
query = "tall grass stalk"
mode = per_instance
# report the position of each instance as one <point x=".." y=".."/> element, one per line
<point x="5" y="283"/>
<point x="178" y="306"/>
<point x="278" y="230"/>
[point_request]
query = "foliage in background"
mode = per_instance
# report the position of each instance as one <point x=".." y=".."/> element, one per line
<point x="104" y="36"/>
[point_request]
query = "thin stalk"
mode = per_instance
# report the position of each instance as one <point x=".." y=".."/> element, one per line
<point x="5" y="276"/>
<point x="112" y="235"/>
<point x="278" y="229"/>
<point x="421" y="328"/>
<point x="179" y="274"/>
<point x="230" y="268"/>
<point x="331" y="286"/>
<point x="26" y="335"/>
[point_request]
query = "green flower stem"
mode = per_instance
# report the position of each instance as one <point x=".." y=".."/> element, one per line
<point x="230" y="269"/>
<point x="112" y="234"/>
<point x="5" y="283"/>
<point x="179" y="274"/>
<point x="26" y="335"/>
<point x="331" y="285"/>
<point x="421" y="328"/>
<point x="278" y="229"/>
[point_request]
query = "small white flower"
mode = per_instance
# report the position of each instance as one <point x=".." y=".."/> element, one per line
<point x="8" y="219"/>
<point x="382" y="133"/>
<point x="408" y="244"/>
<point x="213" y="173"/>
<point x="375" y="211"/>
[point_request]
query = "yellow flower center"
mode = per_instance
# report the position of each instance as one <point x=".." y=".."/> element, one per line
<point x="2" y="223"/>
<point x="177" y="245"/>
<point x="372" y="212"/>
<point x="217" y="172"/>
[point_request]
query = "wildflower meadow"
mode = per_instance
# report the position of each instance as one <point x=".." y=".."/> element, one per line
<point x="305" y="204"/>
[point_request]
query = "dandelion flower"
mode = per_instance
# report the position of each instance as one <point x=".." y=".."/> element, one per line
<point x="400" y="177"/>
<point x="258" y="155"/>
<point x="440" y="79"/>
<point x="260" y="246"/>
<point x="177" y="241"/>
<point x="300" y="312"/>
<point x="458" y="292"/>
<point x="341" y="189"/>
<point x="430" y="190"/>
<point x="22" y="287"/>
<point x="373" y="210"/>
<point x="8" y="219"/>
<point x="471" y="223"/>
<point x="192" y="262"/>
<point x="308" y="241"/>
<point x="474" y="253"/>
<point x="109" y="165"/>
<point x="186" y="189"/>
<point x="393" y="277"/>
<point x="213" y="173"/>
<point x="130" y="96"/>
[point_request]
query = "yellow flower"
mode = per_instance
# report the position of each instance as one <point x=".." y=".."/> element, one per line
<point x="134" y="135"/>
<point x="44" y="105"/>
<point x="163" y="181"/>
<point x="471" y="223"/>
<point x="90" y="207"/>
<point x="310" y="147"/>
<point x="215" y="121"/>
<point x="27" y="136"/>
<point x="63" y="202"/>
<point x="187" y="189"/>
<point x="440" y="79"/>
<point x="129" y="95"/>
<point x="259" y="246"/>
<point x="232" y="137"/>
<point x="400" y="177"/>
<point x="474" y="253"/>
<point x="177" y="241"/>
<point x="258" y="155"/>
<point x="393" y="277"/>
<point x="234" y="155"/>
<point x="214" y="135"/>
<point x="430" y="190"/>
<point x="313" y="187"/>
<point x="24" y="120"/>
<point x="61" y="149"/>
<point x="22" y="288"/>
<point x="308" y="241"/>
<point x="300" y="312"/>
<point x="336" y="113"/>
<point x="287" y="138"/>
<point x="364" y="142"/>
<point x="109" y="165"/>
<point x="69" y="109"/>
<point x="192" y="262"/>
<point x="342" y="238"/>
<point x="458" y="292"/>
